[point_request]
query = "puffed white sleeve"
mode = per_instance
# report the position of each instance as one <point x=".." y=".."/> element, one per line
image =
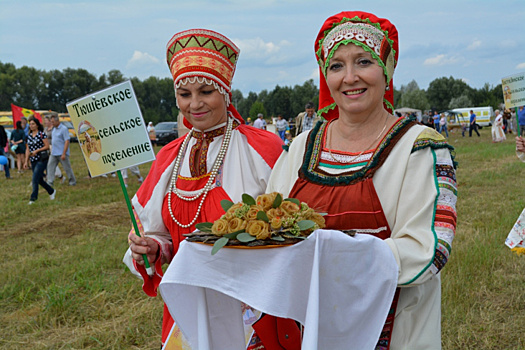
<point x="420" y="205"/>
<point x="285" y="171"/>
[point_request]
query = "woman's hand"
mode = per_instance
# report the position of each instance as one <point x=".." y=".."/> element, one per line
<point x="139" y="246"/>
<point x="520" y="144"/>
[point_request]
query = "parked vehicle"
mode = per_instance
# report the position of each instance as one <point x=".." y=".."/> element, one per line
<point x="166" y="132"/>
<point x="484" y="116"/>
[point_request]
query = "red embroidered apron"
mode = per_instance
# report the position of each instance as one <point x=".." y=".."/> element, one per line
<point x="354" y="206"/>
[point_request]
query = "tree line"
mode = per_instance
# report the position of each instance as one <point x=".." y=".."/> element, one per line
<point x="447" y="93"/>
<point x="50" y="90"/>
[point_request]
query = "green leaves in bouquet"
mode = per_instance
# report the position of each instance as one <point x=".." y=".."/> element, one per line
<point x="277" y="238"/>
<point x="233" y="235"/>
<point x="245" y="237"/>
<point x="247" y="199"/>
<point x="238" y="235"/>
<point x="305" y="225"/>
<point x="294" y="200"/>
<point x="261" y="215"/>
<point x="221" y="242"/>
<point x="226" y="204"/>
<point x="277" y="201"/>
<point x="204" y="226"/>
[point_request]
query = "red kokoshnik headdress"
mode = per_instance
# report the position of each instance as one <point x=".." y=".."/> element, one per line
<point x="207" y="57"/>
<point x="375" y="35"/>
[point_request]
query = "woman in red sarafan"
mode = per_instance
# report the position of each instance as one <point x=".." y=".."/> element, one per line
<point x="220" y="158"/>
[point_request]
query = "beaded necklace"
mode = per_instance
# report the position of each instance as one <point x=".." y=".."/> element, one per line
<point x="329" y="137"/>
<point x="213" y="174"/>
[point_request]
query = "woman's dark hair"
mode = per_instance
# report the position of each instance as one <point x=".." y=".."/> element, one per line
<point x="19" y="125"/>
<point x="38" y="124"/>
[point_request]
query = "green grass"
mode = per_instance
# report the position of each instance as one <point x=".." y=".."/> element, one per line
<point x="63" y="285"/>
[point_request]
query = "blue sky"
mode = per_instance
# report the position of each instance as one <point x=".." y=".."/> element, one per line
<point x="478" y="41"/>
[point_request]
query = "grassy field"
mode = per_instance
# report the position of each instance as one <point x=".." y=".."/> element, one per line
<point x="63" y="286"/>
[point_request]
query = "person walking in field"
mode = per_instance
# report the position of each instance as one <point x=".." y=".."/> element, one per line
<point x="473" y="126"/>
<point x="59" y="152"/>
<point x="443" y="124"/>
<point x="282" y="126"/>
<point x="37" y="157"/>
<point x="498" y="134"/>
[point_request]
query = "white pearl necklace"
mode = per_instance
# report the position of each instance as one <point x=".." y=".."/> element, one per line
<point x="213" y="174"/>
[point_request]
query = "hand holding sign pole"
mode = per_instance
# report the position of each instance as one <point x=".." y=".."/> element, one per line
<point x="112" y="136"/>
<point x="135" y="226"/>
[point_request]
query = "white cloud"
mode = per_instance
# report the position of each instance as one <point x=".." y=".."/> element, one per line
<point x="140" y="58"/>
<point x="475" y="44"/>
<point x="521" y="66"/>
<point x="257" y="48"/>
<point x="440" y="60"/>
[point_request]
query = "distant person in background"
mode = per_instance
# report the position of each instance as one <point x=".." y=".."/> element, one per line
<point x="25" y="125"/>
<point x="3" y="143"/>
<point x="463" y="128"/>
<point x="436" y="121"/>
<point x="288" y="138"/>
<point x="472" y="126"/>
<point x="249" y="121"/>
<point x="507" y="121"/>
<point x="521" y="120"/>
<point x="48" y="129"/>
<point x="59" y="152"/>
<point x="260" y="123"/>
<point x="443" y="124"/>
<point x="18" y="145"/>
<point x="425" y="120"/>
<point x="135" y="171"/>
<point x="306" y="120"/>
<point x="37" y="156"/>
<point x="151" y="133"/>
<point x="282" y="125"/>
<point x="498" y="134"/>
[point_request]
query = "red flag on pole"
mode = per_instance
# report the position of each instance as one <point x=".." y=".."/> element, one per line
<point x="19" y="112"/>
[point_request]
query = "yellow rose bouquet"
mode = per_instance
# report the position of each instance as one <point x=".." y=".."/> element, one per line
<point x="267" y="220"/>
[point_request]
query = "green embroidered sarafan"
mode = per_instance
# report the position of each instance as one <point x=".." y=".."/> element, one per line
<point x="310" y="167"/>
<point x="311" y="171"/>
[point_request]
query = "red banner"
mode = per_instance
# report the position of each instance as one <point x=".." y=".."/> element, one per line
<point x="19" y="112"/>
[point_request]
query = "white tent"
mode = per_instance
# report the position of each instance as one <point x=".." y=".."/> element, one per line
<point x="409" y="111"/>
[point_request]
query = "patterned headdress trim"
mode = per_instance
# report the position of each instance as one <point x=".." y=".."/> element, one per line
<point x="375" y="35"/>
<point x="203" y="53"/>
<point x="204" y="56"/>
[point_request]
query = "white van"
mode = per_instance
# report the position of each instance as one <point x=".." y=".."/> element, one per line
<point x="484" y="116"/>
